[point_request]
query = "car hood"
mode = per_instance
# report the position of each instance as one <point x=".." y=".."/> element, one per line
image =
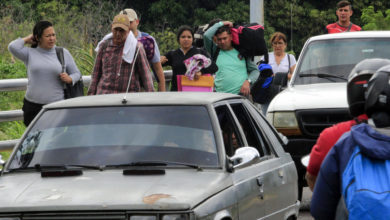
<point x="313" y="96"/>
<point x="110" y="190"/>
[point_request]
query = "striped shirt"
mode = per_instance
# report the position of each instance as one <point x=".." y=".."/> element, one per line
<point x="111" y="74"/>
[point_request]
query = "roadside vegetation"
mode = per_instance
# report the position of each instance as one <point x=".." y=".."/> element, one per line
<point x="80" y="24"/>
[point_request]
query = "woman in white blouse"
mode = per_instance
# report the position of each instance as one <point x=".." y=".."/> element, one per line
<point x="280" y="61"/>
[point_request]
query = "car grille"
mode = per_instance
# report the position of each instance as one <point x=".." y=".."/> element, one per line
<point x="93" y="215"/>
<point x="312" y="122"/>
<point x="71" y="215"/>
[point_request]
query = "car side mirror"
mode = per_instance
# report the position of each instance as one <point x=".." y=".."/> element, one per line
<point x="2" y="162"/>
<point x="305" y="160"/>
<point x="244" y="155"/>
<point x="283" y="138"/>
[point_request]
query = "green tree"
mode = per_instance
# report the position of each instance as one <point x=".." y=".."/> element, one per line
<point x="233" y="10"/>
<point x="375" y="20"/>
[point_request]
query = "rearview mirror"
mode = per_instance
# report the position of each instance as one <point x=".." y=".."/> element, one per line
<point x="244" y="155"/>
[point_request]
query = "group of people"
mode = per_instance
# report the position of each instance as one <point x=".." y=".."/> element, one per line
<point x="349" y="166"/>
<point x="332" y="157"/>
<point x="127" y="59"/>
<point x="126" y="56"/>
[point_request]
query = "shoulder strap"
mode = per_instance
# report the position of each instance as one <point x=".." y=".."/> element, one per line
<point x="289" y="64"/>
<point x="215" y="55"/>
<point x="349" y="27"/>
<point x="143" y="34"/>
<point x="60" y="56"/>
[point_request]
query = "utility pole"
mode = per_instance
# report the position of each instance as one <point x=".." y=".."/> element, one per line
<point x="256" y="13"/>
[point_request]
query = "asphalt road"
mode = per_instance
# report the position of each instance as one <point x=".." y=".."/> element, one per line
<point x="304" y="211"/>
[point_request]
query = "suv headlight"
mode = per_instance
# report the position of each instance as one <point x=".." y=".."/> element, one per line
<point x="285" y="122"/>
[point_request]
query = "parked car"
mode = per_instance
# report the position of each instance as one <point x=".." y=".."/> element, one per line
<point x="150" y="156"/>
<point x="316" y="96"/>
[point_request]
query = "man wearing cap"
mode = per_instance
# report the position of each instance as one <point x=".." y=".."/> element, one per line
<point x="154" y="59"/>
<point x="112" y="72"/>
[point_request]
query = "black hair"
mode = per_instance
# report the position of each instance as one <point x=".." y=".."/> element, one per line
<point x="182" y="29"/>
<point x="342" y="4"/>
<point x="222" y="29"/>
<point x="38" y="30"/>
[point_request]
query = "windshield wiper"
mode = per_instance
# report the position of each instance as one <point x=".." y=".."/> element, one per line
<point x="42" y="167"/>
<point x="155" y="163"/>
<point x="323" y="75"/>
<point x="62" y="170"/>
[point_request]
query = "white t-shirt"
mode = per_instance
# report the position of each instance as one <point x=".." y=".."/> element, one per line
<point x="283" y="67"/>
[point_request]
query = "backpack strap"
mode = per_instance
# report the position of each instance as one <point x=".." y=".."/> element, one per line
<point x="60" y="56"/>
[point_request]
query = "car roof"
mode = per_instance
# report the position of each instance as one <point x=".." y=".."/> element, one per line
<point x="145" y="98"/>
<point x="356" y="34"/>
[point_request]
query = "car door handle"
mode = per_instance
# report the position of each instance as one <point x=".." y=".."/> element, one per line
<point x="260" y="183"/>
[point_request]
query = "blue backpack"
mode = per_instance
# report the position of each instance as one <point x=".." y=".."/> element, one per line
<point x="366" y="187"/>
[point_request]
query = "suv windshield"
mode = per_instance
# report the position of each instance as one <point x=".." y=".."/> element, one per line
<point x="107" y="136"/>
<point x="329" y="61"/>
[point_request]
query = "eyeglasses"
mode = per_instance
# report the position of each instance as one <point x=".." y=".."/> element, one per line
<point x="277" y="43"/>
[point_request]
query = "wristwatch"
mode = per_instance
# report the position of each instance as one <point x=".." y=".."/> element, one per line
<point x="250" y="81"/>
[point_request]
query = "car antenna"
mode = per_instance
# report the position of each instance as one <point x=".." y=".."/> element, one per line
<point x="124" y="100"/>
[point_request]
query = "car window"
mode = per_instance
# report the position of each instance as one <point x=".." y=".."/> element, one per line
<point x="117" y="135"/>
<point x="231" y="136"/>
<point x="337" y="57"/>
<point x="252" y="131"/>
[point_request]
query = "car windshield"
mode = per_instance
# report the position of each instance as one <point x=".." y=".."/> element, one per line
<point x="328" y="61"/>
<point x="109" y="136"/>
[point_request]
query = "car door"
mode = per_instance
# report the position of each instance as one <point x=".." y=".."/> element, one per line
<point x="281" y="181"/>
<point x="270" y="172"/>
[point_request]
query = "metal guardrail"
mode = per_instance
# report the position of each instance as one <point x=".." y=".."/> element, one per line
<point x="7" y="85"/>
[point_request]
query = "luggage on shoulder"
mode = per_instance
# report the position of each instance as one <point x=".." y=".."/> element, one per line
<point x="249" y="40"/>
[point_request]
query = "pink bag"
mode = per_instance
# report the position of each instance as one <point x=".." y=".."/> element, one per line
<point x="204" y="84"/>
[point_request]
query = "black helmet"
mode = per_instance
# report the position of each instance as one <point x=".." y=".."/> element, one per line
<point x="378" y="92"/>
<point x="357" y="83"/>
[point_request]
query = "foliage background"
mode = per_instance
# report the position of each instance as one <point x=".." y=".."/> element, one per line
<point x="80" y="24"/>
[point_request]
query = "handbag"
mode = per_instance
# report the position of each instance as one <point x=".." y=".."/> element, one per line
<point x="262" y="88"/>
<point x="70" y="91"/>
<point x="268" y="85"/>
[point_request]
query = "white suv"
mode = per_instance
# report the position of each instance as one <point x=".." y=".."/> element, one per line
<point x="316" y="95"/>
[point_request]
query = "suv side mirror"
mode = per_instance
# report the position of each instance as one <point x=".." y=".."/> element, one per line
<point x="280" y="79"/>
<point x="244" y="155"/>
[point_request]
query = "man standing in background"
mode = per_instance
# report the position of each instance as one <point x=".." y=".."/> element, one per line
<point x="154" y="60"/>
<point x="113" y="74"/>
<point x="344" y="24"/>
